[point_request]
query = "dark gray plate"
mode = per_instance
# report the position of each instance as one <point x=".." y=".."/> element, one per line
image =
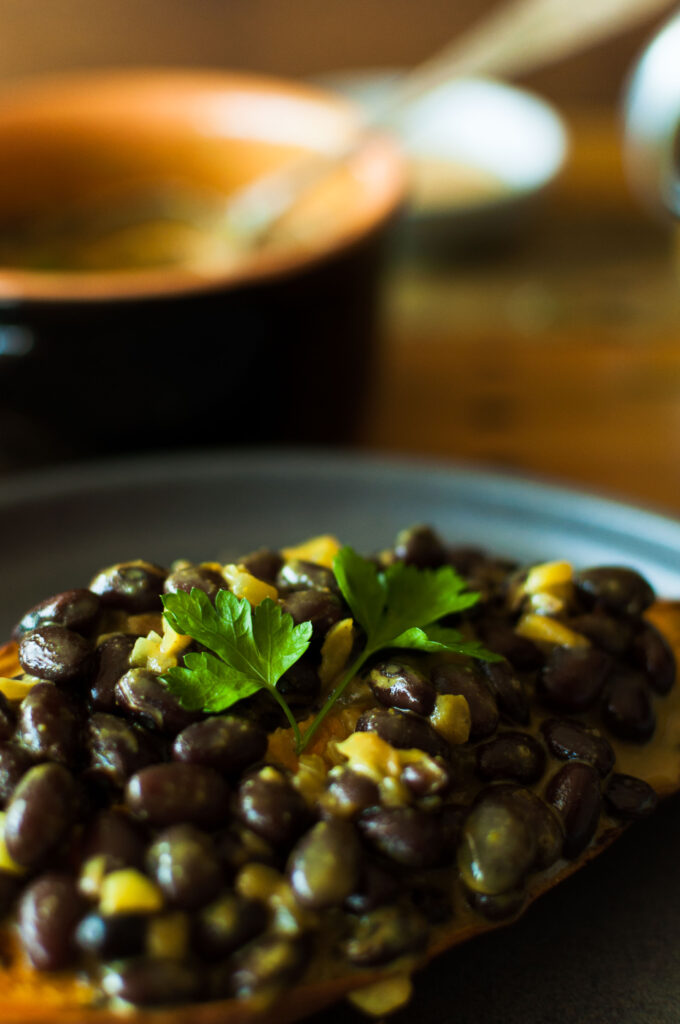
<point x="604" y="946"/>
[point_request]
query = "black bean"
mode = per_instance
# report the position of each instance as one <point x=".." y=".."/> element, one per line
<point x="511" y="755"/>
<point x="153" y="981"/>
<point x="111" y="937"/>
<point x="497" y="847"/>
<point x="420" y="546"/>
<point x="115" y="837"/>
<point x="500" y="637"/>
<point x="49" y="911"/>
<point x="133" y="587"/>
<point x="7" y="719"/>
<point x="227" y="924"/>
<point x="299" y="685"/>
<point x="197" y="577"/>
<point x="376" y="887"/>
<point x="263" y="563"/>
<point x="348" y="793"/>
<point x="509" y="692"/>
<point x="573" y="677"/>
<point x="627" y="709"/>
<point x="574" y="791"/>
<point x="629" y="798"/>
<point x="270" y="806"/>
<point x="170" y="794"/>
<point x="55" y="653"/>
<point x="427" y="778"/>
<point x="14" y="763"/>
<point x="619" y="590"/>
<point x="226" y="743"/>
<point x="10" y="887"/>
<point x="118" y="749"/>
<point x="570" y="740"/>
<point x="237" y="846"/>
<point x="139" y="695"/>
<point x="400" y="686"/>
<point x="299" y="575"/>
<point x="75" y="609"/>
<point x="654" y="655"/>
<point x="385" y="934"/>
<point x="464" y="558"/>
<point x="323" y="866"/>
<point x="184" y="863"/>
<point x="403" y="730"/>
<point x="322" y="609"/>
<point x="543" y="822"/>
<point x="406" y="835"/>
<point x="48" y="727"/>
<point x="268" y="964"/>
<point x="111" y="660"/>
<point x="612" y="635"/>
<point x="466" y="681"/>
<point x="500" y="907"/>
<point x="40" y="813"/>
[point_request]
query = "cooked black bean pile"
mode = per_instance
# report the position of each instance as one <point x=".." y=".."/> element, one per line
<point x="156" y="849"/>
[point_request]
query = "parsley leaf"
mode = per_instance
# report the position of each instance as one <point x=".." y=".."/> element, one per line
<point x="400" y="608"/>
<point x="252" y="648"/>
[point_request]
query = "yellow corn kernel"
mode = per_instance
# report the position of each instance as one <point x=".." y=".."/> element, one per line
<point x="16" y="689"/>
<point x="319" y="550"/>
<point x="167" y="936"/>
<point x="7" y="863"/>
<point x="310" y="778"/>
<point x="260" y="882"/>
<point x="172" y="643"/>
<point x="383" y="997"/>
<point x="369" y="755"/>
<point x="335" y="651"/>
<point x="244" y="584"/>
<point x="145" y="647"/>
<point x="91" y="876"/>
<point x="129" y="892"/>
<point x="543" y="629"/>
<point x="451" y="718"/>
<point x="547" y="575"/>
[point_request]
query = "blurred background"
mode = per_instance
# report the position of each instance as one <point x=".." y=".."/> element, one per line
<point x="544" y="338"/>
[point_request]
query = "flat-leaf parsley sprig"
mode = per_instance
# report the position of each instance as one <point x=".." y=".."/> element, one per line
<point x="253" y="647"/>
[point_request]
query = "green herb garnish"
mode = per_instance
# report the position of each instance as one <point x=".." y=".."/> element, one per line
<point x="398" y="607"/>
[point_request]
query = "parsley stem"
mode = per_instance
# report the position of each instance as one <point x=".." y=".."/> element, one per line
<point x="331" y="699"/>
<point x="288" y="713"/>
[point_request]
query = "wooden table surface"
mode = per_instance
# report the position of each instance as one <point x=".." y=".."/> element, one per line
<point x="559" y="357"/>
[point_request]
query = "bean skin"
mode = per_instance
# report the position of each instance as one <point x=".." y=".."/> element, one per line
<point x="573" y="677"/>
<point x="170" y="794"/>
<point x="501" y="638"/>
<point x="611" y="635"/>
<point x="49" y="911"/>
<point x="574" y="791"/>
<point x="571" y="740"/>
<point x="420" y="546"/>
<point x="324" y="865"/>
<point x="433" y="778"/>
<point x="112" y="660"/>
<point x="14" y="763"/>
<point x="10" y="887"/>
<point x="152" y="981"/>
<point x="268" y="964"/>
<point x="271" y="807"/>
<point x="7" y="719"/>
<point x="508" y="691"/>
<point x="403" y="731"/>
<point x="406" y="835"/>
<point x="627" y="708"/>
<point x="348" y="793"/>
<point x="140" y="696"/>
<point x="110" y="937"/>
<point x="55" y="653"/>
<point x="184" y="863"/>
<point x="263" y="563"/>
<point x="497" y="848"/>
<point x="48" y="727"/>
<point x="542" y="820"/>
<point x="385" y="934"/>
<point x="133" y="587"/>
<point x="118" y="749"/>
<point x="511" y="755"/>
<point x="299" y="685"/>
<point x="376" y="887"/>
<point x="115" y="837"/>
<point x="300" y="575"/>
<point x="402" y="687"/>
<point x="40" y="813"/>
<point x="323" y="610"/>
<point x="466" y="681"/>
<point x="629" y="798"/>
<point x="225" y="743"/>
<point x="192" y="577"/>
<point x="75" y="609"/>
<point x="227" y="924"/>
<point x="654" y="655"/>
<point x="500" y="907"/>
<point x="619" y="590"/>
